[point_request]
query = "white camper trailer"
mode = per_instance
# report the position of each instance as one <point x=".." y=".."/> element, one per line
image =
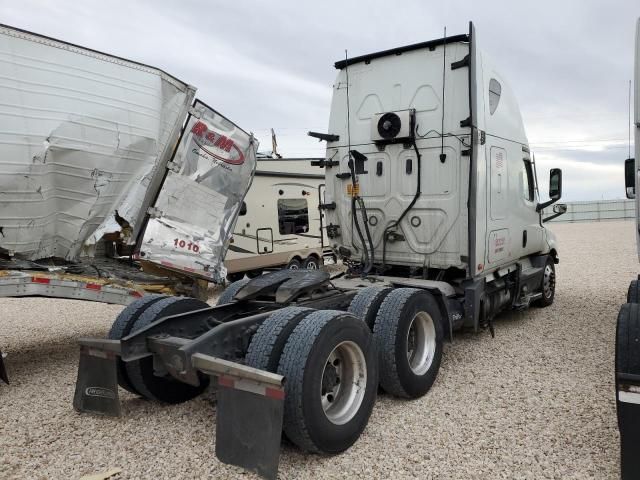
<point x="431" y="200"/>
<point x="279" y="225"/>
<point x="627" y="362"/>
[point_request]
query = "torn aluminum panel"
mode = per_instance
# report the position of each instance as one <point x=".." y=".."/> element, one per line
<point x="82" y="135"/>
<point x="193" y="218"/>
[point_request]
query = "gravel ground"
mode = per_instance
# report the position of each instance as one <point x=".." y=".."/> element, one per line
<point x="535" y="402"/>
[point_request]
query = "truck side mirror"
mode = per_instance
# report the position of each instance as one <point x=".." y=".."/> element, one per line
<point x="630" y="177"/>
<point x="555" y="184"/>
<point x="555" y="189"/>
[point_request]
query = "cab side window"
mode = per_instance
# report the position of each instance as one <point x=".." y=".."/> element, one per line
<point x="495" y="90"/>
<point x="529" y="186"/>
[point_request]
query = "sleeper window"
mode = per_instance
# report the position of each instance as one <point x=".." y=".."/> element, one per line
<point x="529" y="186"/>
<point x="293" y="216"/>
<point x="495" y="89"/>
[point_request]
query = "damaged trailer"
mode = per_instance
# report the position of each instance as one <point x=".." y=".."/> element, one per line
<point x="114" y="182"/>
<point x="441" y="183"/>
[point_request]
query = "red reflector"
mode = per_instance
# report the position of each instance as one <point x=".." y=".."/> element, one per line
<point x="40" y="280"/>
<point x="226" y="381"/>
<point x="274" y="393"/>
<point x="93" y="286"/>
<point x="135" y="293"/>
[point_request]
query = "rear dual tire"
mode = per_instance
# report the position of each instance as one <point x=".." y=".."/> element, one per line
<point x="138" y="376"/>
<point x="409" y="337"/>
<point x="329" y="361"/>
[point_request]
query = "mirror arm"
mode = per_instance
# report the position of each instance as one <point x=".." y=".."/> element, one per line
<point x="551" y="217"/>
<point x="543" y="205"/>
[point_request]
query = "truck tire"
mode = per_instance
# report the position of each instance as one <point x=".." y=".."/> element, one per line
<point x="121" y="327"/>
<point x="311" y="263"/>
<point x="231" y="290"/>
<point x="409" y="337"/>
<point x="633" y="294"/>
<point x="234" y="277"/>
<point x="628" y="410"/>
<point x="294" y="264"/>
<point x="141" y="375"/>
<point x="268" y="342"/>
<point x="367" y="302"/>
<point x="548" y="286"/>
<point x="330" y="365"/>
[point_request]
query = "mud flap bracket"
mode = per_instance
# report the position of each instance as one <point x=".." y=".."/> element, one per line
<point x="97" y="383"/>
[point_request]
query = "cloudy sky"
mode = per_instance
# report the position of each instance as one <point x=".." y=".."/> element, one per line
<point x="270" y="64"/>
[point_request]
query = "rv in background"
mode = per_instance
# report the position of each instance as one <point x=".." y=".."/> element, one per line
<point x="279" y="223"/>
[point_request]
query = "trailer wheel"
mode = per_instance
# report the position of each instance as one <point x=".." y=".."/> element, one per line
<point x="311" y="263"/>
<point x="231" y="290"/>
<point x="548" y="286"/>
<point x="294" y="264"/>
<point x="234" y="277"/>
<point x="367" y="302"/>
<point x="627" y="359"/>
<point x="330" y="365"/>
<point x="633" y="294"/>
<point x="268" y="342"/>
<point x="141" y="375"/>
<point x="408" y="333"/>
<point x="121" y="327"/>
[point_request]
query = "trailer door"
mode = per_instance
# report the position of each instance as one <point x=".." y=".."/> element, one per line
<point x="192" y="219"/>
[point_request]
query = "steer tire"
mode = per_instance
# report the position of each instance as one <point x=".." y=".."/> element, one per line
<point x="303" y="364"/>
<point x="367" y="302"/>
<point x="547" y="297"/>
<point x="122" y="327"/>
<point x="400" y="310"/>
<point x="140" y="372"/>
<point x="269" y="340"/>
<point x="231" y="290"/>
<point x="633" y="294"/>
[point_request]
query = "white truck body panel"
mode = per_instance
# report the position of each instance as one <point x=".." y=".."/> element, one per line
<point x="636" y="121"/>
<point x="85" y="144"/>
<point x="83" y="134"/>
<point x="196" y="209"/>
<point x="502" y="212"/>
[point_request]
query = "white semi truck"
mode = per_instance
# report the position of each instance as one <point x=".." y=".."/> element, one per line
<point x="627" y="362"/>
<point x="431" y="201"/>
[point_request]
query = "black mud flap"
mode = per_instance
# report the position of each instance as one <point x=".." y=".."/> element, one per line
<point x="628" y="406"/>
<point x="3" y="371"/>
<point x="97" y="383"/>
<point x="249" y="425"/>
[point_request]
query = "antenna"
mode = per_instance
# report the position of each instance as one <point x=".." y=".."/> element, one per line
<point x="346" y="71"/>
<point x="443" y="156"/>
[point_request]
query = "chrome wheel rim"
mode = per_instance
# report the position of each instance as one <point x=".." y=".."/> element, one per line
<point x="293" y="266"/>
<point x="421" y="343"/>
<point x="312" y="265"/>
<point x="344" y="382"/>
<point x="549" y="282"/>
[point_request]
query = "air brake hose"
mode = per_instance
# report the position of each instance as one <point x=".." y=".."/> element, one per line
<point x="406" y="210"/>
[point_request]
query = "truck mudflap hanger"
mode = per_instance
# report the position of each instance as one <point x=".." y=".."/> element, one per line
<point x="190" y="348"/>
<point x="250" y="402"/>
